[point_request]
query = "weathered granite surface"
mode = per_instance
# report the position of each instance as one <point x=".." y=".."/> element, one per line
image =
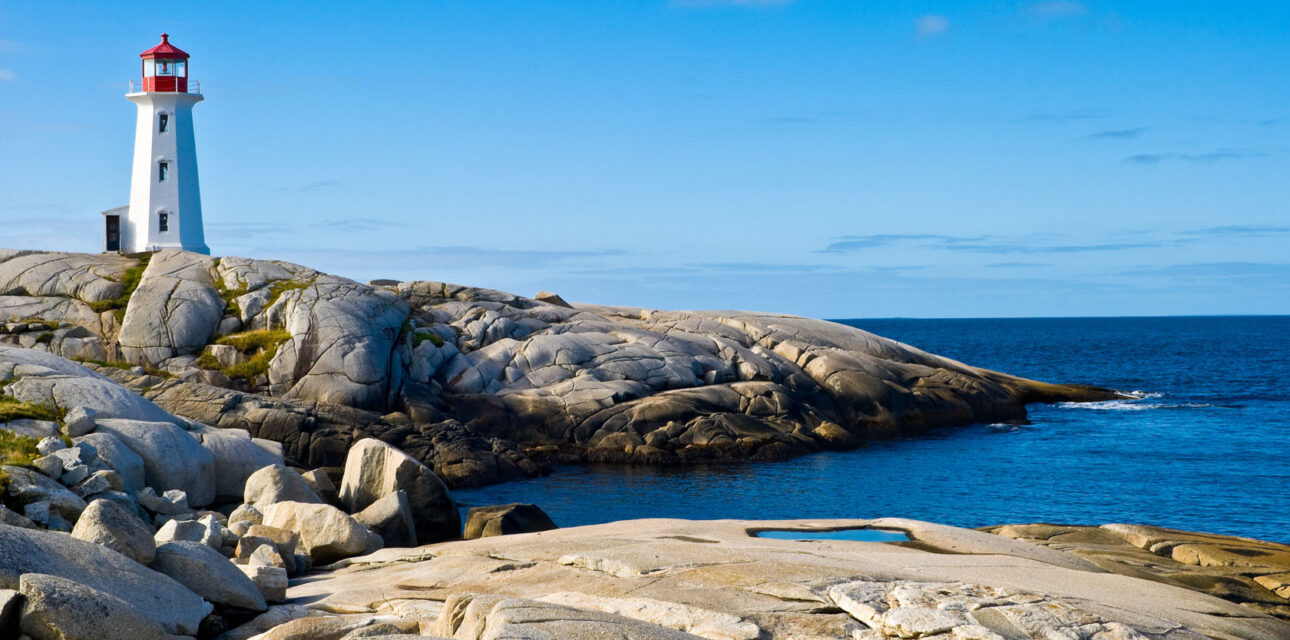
<point x="484" y="385"/>
<point x="1254" y="573"/>
<point x="687" y="579"/>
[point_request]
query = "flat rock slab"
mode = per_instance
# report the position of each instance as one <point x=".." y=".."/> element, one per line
<point x="717" y="580"/>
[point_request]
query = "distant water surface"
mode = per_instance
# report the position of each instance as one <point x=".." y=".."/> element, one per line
<point x="1206" y="446"/>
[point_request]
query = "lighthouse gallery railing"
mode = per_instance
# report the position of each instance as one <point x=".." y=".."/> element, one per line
<point x="136" y="86"/>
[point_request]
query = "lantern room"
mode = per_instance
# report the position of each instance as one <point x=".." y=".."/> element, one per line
<point x="165" y="68"/>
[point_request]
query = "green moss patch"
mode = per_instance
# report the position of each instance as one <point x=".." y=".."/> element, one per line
<point x="11" y="409"/>
<point x="130" y="279"/>
<point x="261" y="345"/>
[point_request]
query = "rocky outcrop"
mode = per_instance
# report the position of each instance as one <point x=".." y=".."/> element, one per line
<point x="174" y="311"/>
<point x="719" y="580"/>
<point x="489" y="384"/>
<point x="1254" y="573"/>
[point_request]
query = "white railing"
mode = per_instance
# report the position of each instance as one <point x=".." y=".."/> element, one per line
<point x="136" y="86"/>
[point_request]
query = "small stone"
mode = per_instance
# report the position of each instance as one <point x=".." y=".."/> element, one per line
<point x="205" y="530"/>
<point x="79" y="421"/>
<point x="75" y="475"/>
<point x="243" y="517"/>
<point x="49" y="465"/>
<point x="266" y="555"/>
<point x="50" y="444"/>
<point x="98" y="482"/>
<point x="271" y="581"/>
<point x="173" y="502"/>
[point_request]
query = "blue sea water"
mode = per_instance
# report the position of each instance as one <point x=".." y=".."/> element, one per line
<point x="1205" y="446"/>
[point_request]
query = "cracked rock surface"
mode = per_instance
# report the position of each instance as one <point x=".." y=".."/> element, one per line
<point x="485" y="385"/>
<point x="714" y="580"/>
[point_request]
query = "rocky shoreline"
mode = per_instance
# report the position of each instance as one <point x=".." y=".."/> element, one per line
<point x="483" y="386"/>
<point x="232" y="448"/>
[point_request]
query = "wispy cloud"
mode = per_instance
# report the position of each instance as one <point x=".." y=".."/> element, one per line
<point x="1063" y="117"/>
<point x="1016" y="265"/>
<point x="9" y="46"/>
<point x="996" y="245"/>
<point x="1057" y="9"/>
<point x="1239" y="230"/>
<point x="849" y="244"/>
<point x="7" y="75"/>
<point x="931" y="25"/>
<point x="1207" y="158"/>
<point x="1118" y="134"/>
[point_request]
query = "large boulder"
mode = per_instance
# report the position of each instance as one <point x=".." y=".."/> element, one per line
<point x="166" y="602"/>
<point x="343" y="336"/>
<point x="325" y="532"/>
<point x="276" y="483"/>
<point x="56" y="608"/>
<point x="374" y="470"/>
<point x="109" y="524"/>
<point x="174" y="310"/>
<point x="236" y="456"/>
<point x="172" y="457"/>
<point x="88" y="277"/>
<point x="505" y="519"/>
<point x="208" y="574"/>
<point x="391" y="518"/>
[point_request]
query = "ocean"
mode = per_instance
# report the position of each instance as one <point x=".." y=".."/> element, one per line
<point x="1204" y="446"/>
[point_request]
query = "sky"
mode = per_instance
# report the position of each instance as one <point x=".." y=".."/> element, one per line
<point x="837" y="159"/>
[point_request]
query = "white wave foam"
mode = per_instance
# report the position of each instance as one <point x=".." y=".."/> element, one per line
<point x="1135" y="404"/>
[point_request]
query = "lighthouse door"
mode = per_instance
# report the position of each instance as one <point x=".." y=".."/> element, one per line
<point x="112" y="234"/>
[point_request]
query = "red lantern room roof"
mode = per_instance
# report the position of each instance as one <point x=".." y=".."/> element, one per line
<point x="164" y="50"/>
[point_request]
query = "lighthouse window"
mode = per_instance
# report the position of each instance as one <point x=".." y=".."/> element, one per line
<point x="163" y="222"/>
<point x="163" y="122"/>
<point x="149" y="68"/>
<point x="163" y="171"/>
<point x="164" y="68"/>
<point x="180" y="68"/>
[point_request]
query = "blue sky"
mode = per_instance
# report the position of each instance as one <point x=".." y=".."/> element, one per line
<point x="825" y="158"/>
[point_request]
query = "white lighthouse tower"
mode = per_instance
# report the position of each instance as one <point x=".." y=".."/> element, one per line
<point x="165" y="209"/>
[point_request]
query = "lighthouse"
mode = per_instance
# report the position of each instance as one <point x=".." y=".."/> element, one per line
<point x="165" y="210"/>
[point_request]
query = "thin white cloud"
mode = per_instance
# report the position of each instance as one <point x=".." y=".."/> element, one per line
<point x="7" y="75"/>
<point x="931" y="25"/>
